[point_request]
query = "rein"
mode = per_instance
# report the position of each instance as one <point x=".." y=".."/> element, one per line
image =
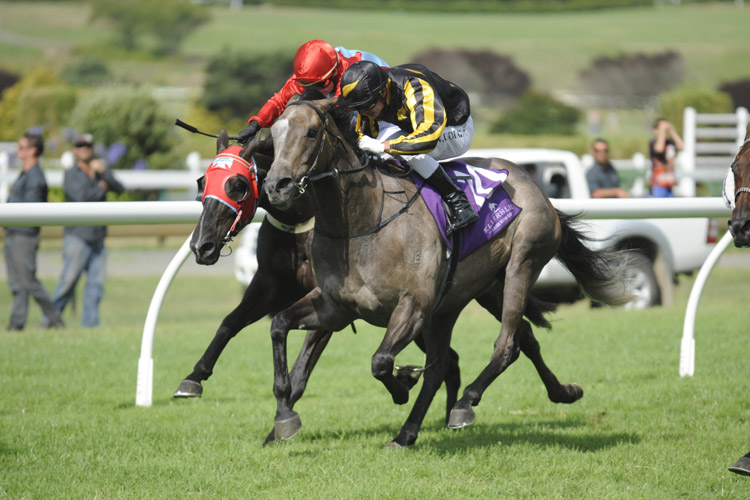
<point x="302" y="184"/>
<point x="742" y="189"/>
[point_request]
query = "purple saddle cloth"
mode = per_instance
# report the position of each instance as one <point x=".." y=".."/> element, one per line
<point x="483" y="188"/>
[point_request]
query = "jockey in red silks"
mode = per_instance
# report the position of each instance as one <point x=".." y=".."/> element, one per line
<point x="317" y="64"/>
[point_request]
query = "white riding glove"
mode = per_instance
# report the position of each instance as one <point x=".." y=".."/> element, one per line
<point x="367" y="143"/>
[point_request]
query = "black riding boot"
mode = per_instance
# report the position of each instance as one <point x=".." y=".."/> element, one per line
<point x="461" y="213"/>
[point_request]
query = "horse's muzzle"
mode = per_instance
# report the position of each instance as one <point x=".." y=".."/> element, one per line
<point x="281" y="192"/>
<point x="740" y="230"/>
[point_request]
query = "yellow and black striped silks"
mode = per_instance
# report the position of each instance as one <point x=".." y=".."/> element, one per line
<point x="421" y="103"/>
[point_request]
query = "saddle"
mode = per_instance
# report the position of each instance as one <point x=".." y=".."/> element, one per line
<point x="483" y="188"/>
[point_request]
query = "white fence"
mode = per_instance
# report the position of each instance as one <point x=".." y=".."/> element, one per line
<point x="131" y="179"/>
<point x="21" y="214"/>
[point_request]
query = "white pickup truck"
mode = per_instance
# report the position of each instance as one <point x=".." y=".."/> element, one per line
<point x="668" y="247"/>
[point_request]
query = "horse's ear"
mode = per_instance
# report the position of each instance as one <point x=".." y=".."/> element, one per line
<point x="325" y="105"/>
<point x="222" y="141"/>
<point x="250" y="147"/>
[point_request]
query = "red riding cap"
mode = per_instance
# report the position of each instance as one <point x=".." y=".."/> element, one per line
<point x="315" y="61"/>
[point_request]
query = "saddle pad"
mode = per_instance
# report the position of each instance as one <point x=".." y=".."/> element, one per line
<point x="483" y="188"/>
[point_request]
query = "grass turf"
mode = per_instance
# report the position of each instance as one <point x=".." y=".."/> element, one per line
<point x="69" y="427"/>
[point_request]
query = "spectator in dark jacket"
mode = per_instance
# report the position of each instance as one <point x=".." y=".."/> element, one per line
<point x="22" y="243"/>
<point x="83" y="246"/>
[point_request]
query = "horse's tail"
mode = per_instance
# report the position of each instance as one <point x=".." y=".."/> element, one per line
<point x="599" y="272"/>
<point x="536" y="309"/>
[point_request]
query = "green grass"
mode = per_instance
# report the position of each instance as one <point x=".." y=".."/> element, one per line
<point x="69" y="427"/>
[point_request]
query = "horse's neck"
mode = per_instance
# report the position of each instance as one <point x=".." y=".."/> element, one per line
<point x="300" y="213"/>
<point x="347" y="204"/>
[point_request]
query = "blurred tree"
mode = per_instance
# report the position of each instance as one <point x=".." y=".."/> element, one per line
<point x="739" y="91"/>
<point x="633" y="80"/>
<point x="49" y="106"/>
<point x="130" y="123"/>
<point x="168" y="21"/>
<point x="538" y="113"/>
<point x="492" y="78"/>
<point x="86" y="72"/>
<point x="11" y="123"/>
<point x="238" y="84"/>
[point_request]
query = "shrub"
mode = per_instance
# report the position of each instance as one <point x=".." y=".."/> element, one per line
<point x="132" y="118"/>
<point x="672" y="104"/>
<point x="538" y="113"/>
<point x="12" y="124"/>
<point x="49" y="107"/>
<point x="238" y="84"/>
<point x="633" y="79"/>
<point x="86" y="72"/>
<point x="7" y="79"/>
<point x="494" y="78"/>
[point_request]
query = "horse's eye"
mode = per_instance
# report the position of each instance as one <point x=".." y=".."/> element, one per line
<point x="312" y="132"/>
<point x="237" y="188"/>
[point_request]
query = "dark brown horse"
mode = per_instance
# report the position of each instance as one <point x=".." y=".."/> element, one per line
<point x="739" y="226"/>
<point x="283" y="276"/>
<point x="390" y="275"/>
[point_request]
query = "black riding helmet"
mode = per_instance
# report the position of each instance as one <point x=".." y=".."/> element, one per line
<point x="361" y="84"/>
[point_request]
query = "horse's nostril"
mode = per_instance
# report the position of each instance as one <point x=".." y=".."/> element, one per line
<point x="739" y="226"/>
<point x="284" y="184"/>
<point x="207" y="249"/>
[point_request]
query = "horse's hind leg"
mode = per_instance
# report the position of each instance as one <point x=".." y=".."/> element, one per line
<point x="520" y="273"/>
<point x="557" y="392"/>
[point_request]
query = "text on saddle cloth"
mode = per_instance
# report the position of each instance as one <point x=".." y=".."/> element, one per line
<point x="483" y="188"/>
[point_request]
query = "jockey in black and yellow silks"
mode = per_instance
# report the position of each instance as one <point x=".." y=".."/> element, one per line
<point x="410" y="110"/>
<point x="421" y="103"/>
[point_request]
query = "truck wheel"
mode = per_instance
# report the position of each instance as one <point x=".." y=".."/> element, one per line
<point x="641" y="278"/>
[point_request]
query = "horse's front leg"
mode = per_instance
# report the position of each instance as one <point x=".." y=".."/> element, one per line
<point x="262" y="296"/>
<point x="406" y="322"/>
<point x="313" y="346"/>
<point x="306" y="313"/>
<point x="439" y="362"/>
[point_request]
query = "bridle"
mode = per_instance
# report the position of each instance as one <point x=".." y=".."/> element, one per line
<point x="302" y="184"/>
<point x="742" y="189"/>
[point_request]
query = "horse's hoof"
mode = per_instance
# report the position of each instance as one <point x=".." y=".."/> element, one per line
<point x="460" y="418"/>
<point x="188" y="389"/>
<point x="393" y="445"/>
<point x="287" y="428"/>
<point x="741" y="466"/>
<point x="570" y="393"/>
